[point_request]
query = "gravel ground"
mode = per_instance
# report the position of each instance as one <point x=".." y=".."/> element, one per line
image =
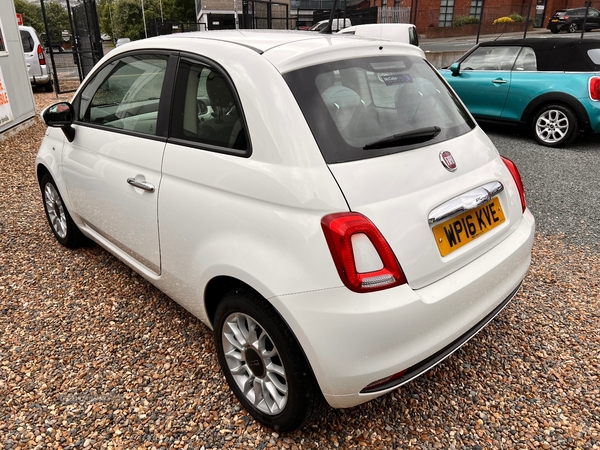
<point x="92" y="356"/>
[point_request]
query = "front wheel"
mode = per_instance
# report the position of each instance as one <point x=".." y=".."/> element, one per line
<point x="263" y="362"/>
<point x="572" y="28"/>
<point x="555" y="126"/>
<point x="63" y="227"/>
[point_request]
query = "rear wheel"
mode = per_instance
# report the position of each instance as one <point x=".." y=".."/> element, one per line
<point x="49" y="87"/>
<point x="554" y="31"/>
<point x="63" y="227"/>
<point x="263" y="363"/>
<point x="572" y="28"/>
<point x="555" y="126"/>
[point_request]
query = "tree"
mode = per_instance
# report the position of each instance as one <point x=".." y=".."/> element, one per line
<point x="32" y="14"/>
<point x="58" y="20"/>
<point x="56" y="15"/>
<point x="123" y="18"/>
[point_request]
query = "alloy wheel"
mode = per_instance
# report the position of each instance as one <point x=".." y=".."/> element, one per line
<point x="255" y="364"/>
<point x="56" y="210"/>
<point x="552" y="126"/>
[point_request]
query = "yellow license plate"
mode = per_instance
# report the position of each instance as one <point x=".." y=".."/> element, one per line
<point x="554" y="20"/>
<point x="458" y="231"/>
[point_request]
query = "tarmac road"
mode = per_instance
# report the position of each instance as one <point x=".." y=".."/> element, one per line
<point x="561" y="185"/>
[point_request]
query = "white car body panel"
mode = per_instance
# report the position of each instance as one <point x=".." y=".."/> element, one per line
<point x="339" y="330"/>
<point x="399" y="191"/>
<point x="108" y="207"/>
<point x="257" y="219"/>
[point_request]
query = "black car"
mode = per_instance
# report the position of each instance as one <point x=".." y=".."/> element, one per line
<point x="571" y="20"/>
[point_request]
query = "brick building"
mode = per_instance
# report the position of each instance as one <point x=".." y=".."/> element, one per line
<point x="441" y="13"/>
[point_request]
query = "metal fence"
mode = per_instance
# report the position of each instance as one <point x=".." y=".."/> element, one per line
<point x="79" y="49"/>
<point x="265" y="15"/>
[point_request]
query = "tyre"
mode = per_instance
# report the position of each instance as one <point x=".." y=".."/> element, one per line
<point x="63" y="227"/>
<point x="555" y="126"/>
<point x="263" y="363"/>
<point x="572" y="28"/>
<point x="49" y="87"/>
<point x="554" y="31"/>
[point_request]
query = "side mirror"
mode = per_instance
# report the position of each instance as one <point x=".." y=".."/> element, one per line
<point x="455" y="69"/>
<point x="61" y="115"/>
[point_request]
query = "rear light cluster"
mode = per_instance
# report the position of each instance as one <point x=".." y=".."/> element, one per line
<point x="362" y="256"/>
<point x="40" y="54"/>
<point x="517" y="177"/>
<point x="594" y="87"/>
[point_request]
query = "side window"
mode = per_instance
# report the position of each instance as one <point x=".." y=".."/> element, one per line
<point x="207" y="111"/>
<point x="27" y="41"/>
<point x="125" y="94"/>
<point x="526" y="61"/>
<point x="491" y="58"/>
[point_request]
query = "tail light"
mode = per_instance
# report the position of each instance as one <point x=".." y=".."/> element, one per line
<point x="517" y="177"/>
<point x="362" y="256"/>
<point x="40" y="53"/>
<point x="594" y="87"/>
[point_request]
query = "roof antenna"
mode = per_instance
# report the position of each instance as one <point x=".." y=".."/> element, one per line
<point x="327" y="29"/>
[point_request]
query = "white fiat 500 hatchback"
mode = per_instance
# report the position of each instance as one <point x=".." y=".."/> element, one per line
<point x="325" y="204"/>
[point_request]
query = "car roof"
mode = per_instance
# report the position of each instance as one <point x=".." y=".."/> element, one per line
<point x="556" y="54"/>
<point x="286" y="49"/>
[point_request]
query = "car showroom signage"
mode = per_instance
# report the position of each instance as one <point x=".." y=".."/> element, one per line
<point x="6" y="114"/>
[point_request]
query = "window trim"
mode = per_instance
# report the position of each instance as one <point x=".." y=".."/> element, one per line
<point x="199" y="59"/>
<point x="163" y="103"/>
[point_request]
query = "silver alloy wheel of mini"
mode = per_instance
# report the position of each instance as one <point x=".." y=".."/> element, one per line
<point x="552" y="126"/>
<point x="254" y="362"/>
<point x="56" y="210"/>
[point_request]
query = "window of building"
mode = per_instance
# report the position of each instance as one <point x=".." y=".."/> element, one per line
<point x="446" y="13"/>
<point x="476" y="8"/>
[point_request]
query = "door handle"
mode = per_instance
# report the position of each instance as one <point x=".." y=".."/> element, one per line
<point x="499" y="81"/>
<point x="141" y="184"/>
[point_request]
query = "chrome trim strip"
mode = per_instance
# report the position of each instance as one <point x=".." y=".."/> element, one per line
<point x="465" y="202"/>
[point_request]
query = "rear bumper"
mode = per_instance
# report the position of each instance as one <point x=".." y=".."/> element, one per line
<point x="36" y="81"/>
<point x="352" y="340"/>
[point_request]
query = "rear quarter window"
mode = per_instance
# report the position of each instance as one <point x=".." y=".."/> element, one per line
<point x="594" y="55"/>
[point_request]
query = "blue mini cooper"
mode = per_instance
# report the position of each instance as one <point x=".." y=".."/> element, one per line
<point x="551" y="86"/>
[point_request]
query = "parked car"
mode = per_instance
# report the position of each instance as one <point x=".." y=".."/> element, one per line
<point x="326" y="205"/>
<point x="551" y="86"/>
<point x="336" y="25"/>
<point x="571" y="20"/>
<point x="35" y="59"/>
<point x="400" y="32"/>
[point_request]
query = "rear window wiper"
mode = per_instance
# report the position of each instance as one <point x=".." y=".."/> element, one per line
<point x="408" y="138"/>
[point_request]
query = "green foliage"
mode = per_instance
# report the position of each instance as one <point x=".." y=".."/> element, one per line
<point x="58" y="20"/>
<point x="516" y="17"/>
<point x="56" y="16"/>
<point x="32" y="14"/>
<point x="123" y="18"/>
<point x="459" y="21"/>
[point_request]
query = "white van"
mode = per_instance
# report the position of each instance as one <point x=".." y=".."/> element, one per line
<point x="336" y="25"/>
<point x="35" y="58"/>
<point x="399" y="32"/>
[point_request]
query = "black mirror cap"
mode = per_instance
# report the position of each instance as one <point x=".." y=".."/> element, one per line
<point x="59" y="115"/>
